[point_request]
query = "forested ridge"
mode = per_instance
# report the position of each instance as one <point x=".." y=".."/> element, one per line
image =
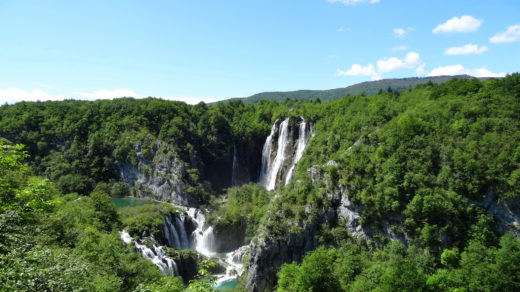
<point x="434" y="166"/>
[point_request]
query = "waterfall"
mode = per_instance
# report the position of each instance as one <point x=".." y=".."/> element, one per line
<point x="202" y="239"/>
<point x="175" y="232"/>
<point x="234" y="168"/>
<point x="155" y="255"/>
<point x="170" y="233"/>
<point x="234" y="264"/>
<point x="302" y="142"/>
<point x="288" y="153"/>
<point x="266" y="155"/>
<point x="184" y="243"/>
<point x="280" y="155"/>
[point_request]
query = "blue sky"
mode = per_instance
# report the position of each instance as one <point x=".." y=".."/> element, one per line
<point x="207" y="50"/>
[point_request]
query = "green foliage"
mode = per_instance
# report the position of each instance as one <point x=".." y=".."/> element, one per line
<point x="145" y="218"/>
<point x="205" y="281"/>
<point x="241" y="204"/>
<point x="52" y="242"/>
<point x="395" y="268"/>
<point x="314" y="274"/>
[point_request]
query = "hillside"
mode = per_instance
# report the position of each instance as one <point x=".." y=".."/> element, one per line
<point x="416" y="190"/>
<point x="367" y="88"/>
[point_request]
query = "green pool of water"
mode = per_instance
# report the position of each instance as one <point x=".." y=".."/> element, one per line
<point x="227" y="285"/>
<point x="129" y="202"/>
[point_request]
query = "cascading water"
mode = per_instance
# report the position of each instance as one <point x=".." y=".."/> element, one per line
<point x="155" y="255"/>
<point x="280" y="156"/>
<point x="286" y="156"/>
<point x="303" y="137"/>
<point x="204" y="243"/>
<point x="202" y="239"/>
<point x="170" y="233"/>
<point x="184" y="242"/>
<point x="266" y="155"/>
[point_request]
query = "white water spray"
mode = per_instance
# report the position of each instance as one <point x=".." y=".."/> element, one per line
<point x="302" y="142"/>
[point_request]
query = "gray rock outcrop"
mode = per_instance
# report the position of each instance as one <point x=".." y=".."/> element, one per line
<point x="158" y="175"/>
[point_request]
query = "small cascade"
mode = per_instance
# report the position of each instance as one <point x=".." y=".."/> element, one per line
<point x="170" y="233"/>
<point x="234" y="168"/>
<point x="183" y="236"/>
<point x="174" y="232"/>
<point x="156" y="255"/>
<point x="288" y="152"/>
<point x="234" y="264"/>
<point x="303" y="138"/>
<point x="203" y="240"/>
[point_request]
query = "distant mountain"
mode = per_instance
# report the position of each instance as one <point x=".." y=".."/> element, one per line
<point x="368" y="88"/>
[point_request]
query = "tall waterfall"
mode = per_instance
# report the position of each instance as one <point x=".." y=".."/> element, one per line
<point x="266" y="155"/>
<point x="303" y="137"/>
<point x="234" y="168"/>
<point x="288" y="152"/>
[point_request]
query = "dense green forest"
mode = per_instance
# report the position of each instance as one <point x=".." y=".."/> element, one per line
<point x="427" y="163"/>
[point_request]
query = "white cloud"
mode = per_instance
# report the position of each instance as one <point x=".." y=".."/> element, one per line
<point x="13" y="95"/>
<point x="460" y="70"/>
<point x="465" y="23"/>
<point x="402" y="32"/>
<point x="512" y="34"/>
<point x="400" y="48"/>
<point x="354" y="2"/>
<point x="340" y="29"/>
<point x="399" y="32"/>
<point x="411" y="60"/>
<point x="466" y="50"/>
<point x="358" y="70"/>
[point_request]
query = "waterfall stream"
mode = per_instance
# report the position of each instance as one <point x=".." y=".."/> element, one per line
<point x="204" y="243"/>
<point x="155" y="255"/>
<point x="288" y="153"/>
<point x="302" y="142"/>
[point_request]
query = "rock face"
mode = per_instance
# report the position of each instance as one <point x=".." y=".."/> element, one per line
<point x="506" y="212"/>
<point x="229" y="237"/>
<point x="267" y="256"/>
<point x="158" y="175"/>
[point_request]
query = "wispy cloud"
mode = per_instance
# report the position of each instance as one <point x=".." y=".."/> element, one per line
<point x="340" y="29"/>
<point x="400" y="48"/>
<point x="412" y="60"/>
<point x="354" y="2"/>
<point x="466" y="50"/>
<point x="402" y="32"/>
<point x="460" y="70"/>
<point x="13" y="95"/>
<point x="512" y="34"/>
<point x="465" y="23"/>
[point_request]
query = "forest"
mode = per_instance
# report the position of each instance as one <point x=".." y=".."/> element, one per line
<point x="432" y="174"/>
